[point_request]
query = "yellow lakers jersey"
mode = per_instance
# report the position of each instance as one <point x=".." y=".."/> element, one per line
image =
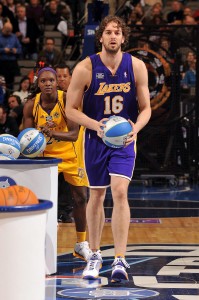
<point x="56" y="119"/>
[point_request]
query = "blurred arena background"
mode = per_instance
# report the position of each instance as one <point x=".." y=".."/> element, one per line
<point x="168" y="145"/>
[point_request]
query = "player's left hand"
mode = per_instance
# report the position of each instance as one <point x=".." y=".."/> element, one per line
<point x="46" y="130"/>
<point x="132" y="136"/>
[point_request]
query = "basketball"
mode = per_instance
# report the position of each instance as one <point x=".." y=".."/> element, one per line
<point x="9" y="145"/>
<point x="17" y="195"/>
<point x="116" y="131"/>
<point x="32" y="142"/>
<point x="6" y="157"/>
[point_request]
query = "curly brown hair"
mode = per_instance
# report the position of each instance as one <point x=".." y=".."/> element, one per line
<point x="121" y="24"/>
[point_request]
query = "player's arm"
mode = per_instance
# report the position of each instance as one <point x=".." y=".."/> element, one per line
<point x="80" y="81"/>
<point x="70" y="136"/>
<point x="28" y="119"/>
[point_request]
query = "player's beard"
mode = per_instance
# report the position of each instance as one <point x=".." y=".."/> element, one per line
<point x="112" y="50"/>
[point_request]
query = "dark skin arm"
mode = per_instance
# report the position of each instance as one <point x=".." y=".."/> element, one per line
<point x="28" y="121"/>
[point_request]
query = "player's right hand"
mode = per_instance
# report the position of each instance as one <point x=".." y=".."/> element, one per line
<point x="101" y="126"/>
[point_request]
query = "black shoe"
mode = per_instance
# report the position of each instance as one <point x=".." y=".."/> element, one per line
<point x="64" y="218"/>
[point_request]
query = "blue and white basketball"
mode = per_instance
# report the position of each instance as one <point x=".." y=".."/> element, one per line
<point x="32" y="142"/>
<point x="6" y="157"/>
<point x="116" y="131"/>
<point x="9" y="145"/>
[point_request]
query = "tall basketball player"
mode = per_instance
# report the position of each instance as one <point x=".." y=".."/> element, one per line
<point x="46" y="113"/>
<point x="111" y="82"/>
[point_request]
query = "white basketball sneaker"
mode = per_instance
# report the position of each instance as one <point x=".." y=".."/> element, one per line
<point x="94" y="264"/>
<point x="119" y="273"/>
<point x="82" y="251"/>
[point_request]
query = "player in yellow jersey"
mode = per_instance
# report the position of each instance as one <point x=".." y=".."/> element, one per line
<point x="46" y="112"/>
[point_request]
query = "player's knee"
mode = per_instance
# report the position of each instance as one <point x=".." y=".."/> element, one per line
<point x="80" y="200"/>
<point x="119" y="193"/>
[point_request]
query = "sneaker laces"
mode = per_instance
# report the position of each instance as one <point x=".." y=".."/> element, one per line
<point x="96" y="256"/>
<point x="120" y="260"/>
<point x="91" y="264"/>
<point x="94" y="259"/>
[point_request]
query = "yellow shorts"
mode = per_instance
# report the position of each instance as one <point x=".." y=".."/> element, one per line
<point x="72" y="173"/>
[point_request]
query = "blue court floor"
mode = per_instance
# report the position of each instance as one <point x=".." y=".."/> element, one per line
<point x="157" y="271"/>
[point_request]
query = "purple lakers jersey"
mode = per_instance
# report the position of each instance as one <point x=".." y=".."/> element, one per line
<point x="111" y="94"/>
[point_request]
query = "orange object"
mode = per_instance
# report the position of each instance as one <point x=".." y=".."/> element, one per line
<point x="17" y="195"/>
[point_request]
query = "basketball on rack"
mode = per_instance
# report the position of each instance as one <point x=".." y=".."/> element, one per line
<point x="16" y="195"/>
<point x="116" y="131"/>
<point x="32" y="142"/>
<point x="9" y="145"/>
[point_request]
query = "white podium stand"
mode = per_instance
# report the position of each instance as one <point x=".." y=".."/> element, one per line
<point x="41" y="176"/>
<point x="22" y="257"/>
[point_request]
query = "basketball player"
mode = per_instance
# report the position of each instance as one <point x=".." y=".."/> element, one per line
<point x="46" y="113"/>
<point x="111" y="82"/>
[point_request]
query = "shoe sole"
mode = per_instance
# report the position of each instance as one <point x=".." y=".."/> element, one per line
<point x="79" y="256"/>
<point x="119" y="280"/>
<point x="119" y="277"/>
<point x="89" y="277"/>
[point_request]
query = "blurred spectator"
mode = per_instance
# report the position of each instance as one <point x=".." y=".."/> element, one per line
<point x="190" y="58"/>
<point x="156" y="21"/>
<point x="189" y="79"/>
<point x="51" y="54"/>
<point x="196" y="16"/>
<point x="144" y="45"/>
<point x="65" y="26"/>
<point x="176" y="14"/>
<point x="156" y="10"/>
<point x="136" y="15"/>
<point x="15" y="108"/>
<point x="34" y="10"/>
<point x="68" y="35"/>
<point x="139" y="9"/>
<point x="60" y="5"/>
<point x="4" y="91"/>
<point x="24" y="88"/>
<point x="164" y="49"/>
<point x="133" y="19"/>
<point x="63" y="76"/>
<point x="28" y="32"/>
<point x="187" y="34"/>
<point x="153" y="2"/>
<point x="11" y="6"/>
<point x="10" y="49"/>
<point x="1" y="17"/>
<point x="52" y="13"/>
<point x="187" y="11"/>
<point x="7" y="124"/>
<point x="7" y="14"/>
